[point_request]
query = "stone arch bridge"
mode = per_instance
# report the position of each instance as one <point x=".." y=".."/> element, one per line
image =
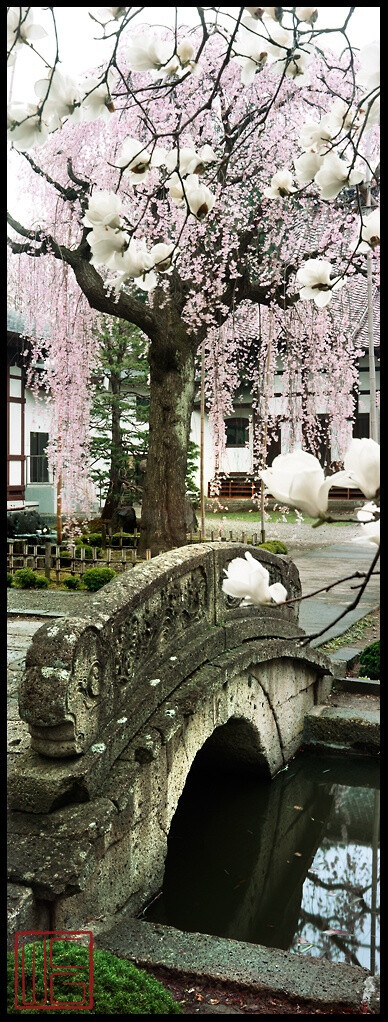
<point x="118" y="705"/>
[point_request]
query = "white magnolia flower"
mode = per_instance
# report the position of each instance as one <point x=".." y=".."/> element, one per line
<point x="188" y="160"/>
<point x="103" y="210"/>
<point x="97" y="100"/>
<point x="161" y="256"/>
<point x="135" y="263"/>
<point x="175" y="190"/>
<point x="152" y="54"/>
<point x="307" y="14"/>
<point x="334" y="174"/>
<point x="134" y="159"/>
<point x="315" y="136"/>
<point x="297" y="480"/>
<point x="105" y="242"/>
<point x="370" y="233"/>
<point x="21" y="27"/>
<point x="252" y="63"/>
<point x="297" y="65"/>
<point x="25" y="128"/>
<point x="106" y="14"/>
<point x="368" y="512"/>
<point x="369" y="73"/>
<point x="251" y="50"/>
<point x="315" y="281"/>
<point x="270" y="12"/>
<point x="342" y="116"/>
<point x="307" y="166"/>
<point x="361" y="467"/>
<point x="199" y="198"/>
<point x="369" y="109"/>
<point x="281" y="40"/>
<point x="248" y="580"/>
<point x="370" y="535"/>
<point x="63" y="99"/>
<point x="281" y="185"/>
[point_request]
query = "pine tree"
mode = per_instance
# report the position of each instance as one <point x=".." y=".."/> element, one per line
<point x="119" y="413"/>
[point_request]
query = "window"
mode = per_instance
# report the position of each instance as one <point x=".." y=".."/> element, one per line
<point x="361" y="425"/>
<point x="237" y="432"/>
<point x="39" y="472"/>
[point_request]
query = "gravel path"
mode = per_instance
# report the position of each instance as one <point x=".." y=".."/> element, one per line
<point x="296" y="536"/>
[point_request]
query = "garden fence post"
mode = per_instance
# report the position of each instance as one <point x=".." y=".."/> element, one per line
<point x="47" y="559"/>
<point x="58" y="564"/>
<point x="10" y="545"/>
<point x="103" y="534"/>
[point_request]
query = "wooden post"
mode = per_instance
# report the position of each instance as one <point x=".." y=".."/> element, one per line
<point x="58" y="564"/>
<point x="47" y="559"/>
<point x="59" y="509"/>
<point x="10" y="545"/>
<point x="148" y="554"/>
<point x="266" y="384"/>
<point x="202" y="440"/>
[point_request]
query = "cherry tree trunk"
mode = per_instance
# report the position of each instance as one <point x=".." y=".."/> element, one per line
<point x="163" y="517"/>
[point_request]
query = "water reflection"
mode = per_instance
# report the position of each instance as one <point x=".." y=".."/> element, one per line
<point x="278" y="862"/>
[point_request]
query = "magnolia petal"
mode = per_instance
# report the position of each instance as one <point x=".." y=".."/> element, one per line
<point x="278" y="592"/>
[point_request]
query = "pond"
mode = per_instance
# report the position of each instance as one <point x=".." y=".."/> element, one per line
<point x="291" y="863"/>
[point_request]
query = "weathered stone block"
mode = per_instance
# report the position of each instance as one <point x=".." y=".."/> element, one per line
<point x="24" y="912"/>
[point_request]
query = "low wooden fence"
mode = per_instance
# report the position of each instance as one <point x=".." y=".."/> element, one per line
<point x="49" y="557"/>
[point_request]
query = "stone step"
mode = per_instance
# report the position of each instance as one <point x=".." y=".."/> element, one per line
<point x="344" y="658"/>
<point x="340" y="729"/>
<point x="224" y="960"/>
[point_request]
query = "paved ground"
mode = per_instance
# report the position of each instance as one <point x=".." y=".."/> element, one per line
<point x="320" y="566"/>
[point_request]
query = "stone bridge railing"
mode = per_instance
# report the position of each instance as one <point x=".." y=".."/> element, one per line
<point x="120" y="702"/>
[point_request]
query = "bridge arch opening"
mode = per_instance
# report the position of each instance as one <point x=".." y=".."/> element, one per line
<point x="200" y="872"/>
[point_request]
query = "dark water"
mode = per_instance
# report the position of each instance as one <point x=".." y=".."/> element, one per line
<point x="279" y="862"/>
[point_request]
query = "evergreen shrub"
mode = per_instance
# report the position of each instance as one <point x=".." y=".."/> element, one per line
<point x="274" y="546"/>
<point x="72" y="582"/>
<point x="370" y="662"/>
<point x="95" y="578"/>
<point x="26" y="578"/>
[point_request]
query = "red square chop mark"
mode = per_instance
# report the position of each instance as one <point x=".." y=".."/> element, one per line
<point x="48" y="980"/>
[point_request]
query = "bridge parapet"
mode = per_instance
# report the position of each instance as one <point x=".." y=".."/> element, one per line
<point x="91" y="683"/>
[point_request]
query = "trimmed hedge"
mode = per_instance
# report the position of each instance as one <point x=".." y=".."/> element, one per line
<point x="119" y="988"/>
<point x="95" y="578"/>
<point x="274" y="546"/>
<point x="72" y="582"/>
<point x="370" y="662"/>
<point x="26" y="578"/>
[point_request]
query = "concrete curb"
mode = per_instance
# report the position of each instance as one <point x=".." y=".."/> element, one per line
<point x="231" y="961"/>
